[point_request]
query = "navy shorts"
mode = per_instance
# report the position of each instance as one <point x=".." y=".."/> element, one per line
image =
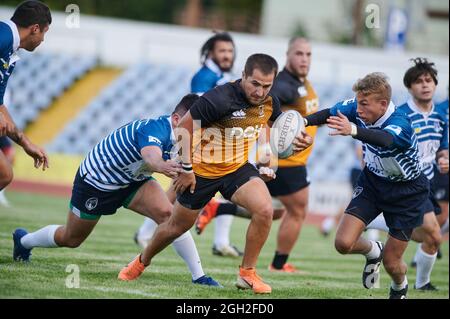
<point x="206" y="189"/>
<point x="432" y="205"/>
<point x="402" y="203"/>
<point x="289" y="180"/>
<point x="440" y="185"/>
<point x="354" y="176"/>
<point x="88" y="202"/>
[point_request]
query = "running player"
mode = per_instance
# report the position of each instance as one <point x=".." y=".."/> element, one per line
<point x="217" y="56"/>
<point x="291" y="187"/>
<point x="117" y="172"/>
<point x="26" y="29"/>
<point x="391" y="182"/>
<point x="430" y="126"/>
<point x="231" y="117"/>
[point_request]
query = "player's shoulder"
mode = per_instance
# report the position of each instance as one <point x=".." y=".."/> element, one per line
<point x="399" y="118"/>
<point x="286" y="87"/>
<point x="223" y="95"/>
<point x="404" y="108"/>
<point x="204" y="74"/>
<point x="442" y="108"/>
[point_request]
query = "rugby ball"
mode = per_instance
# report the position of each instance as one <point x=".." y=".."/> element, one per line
<point x="284" y="130"/>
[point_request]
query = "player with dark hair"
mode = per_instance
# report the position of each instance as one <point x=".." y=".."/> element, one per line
<point x="225" y="123"/>
<point x="26" y="29"/>
<point x="116" y="173"/>
<point x="217" y="56"/>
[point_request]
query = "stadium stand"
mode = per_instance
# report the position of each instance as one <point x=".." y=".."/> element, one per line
<point x="51" y="74"/>
<point x="143" y="91"/>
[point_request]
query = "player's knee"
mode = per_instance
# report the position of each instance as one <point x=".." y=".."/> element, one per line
<point x="6" y="177"/>
<point x="434" y="240"/>
<point x="163" y="215"/>
<point x="265" y="213"/>
<point x="343" y="245"/>
<point x="392" y="265"/>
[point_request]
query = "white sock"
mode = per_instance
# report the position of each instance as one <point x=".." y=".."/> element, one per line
<point x="328" y="224"/>
<point x="373" y="234"/>
<point x="147" y="229"/>
<point x="222" y="230"/>
<point x="374" y="251"/>
<point x="425" y="264"/>
<point x="379" y="223"/>
<point x="398" y="287"/>
<point x="44" y="237"/>
<point x="185" y="247"/>
<point x="444" y="228"/>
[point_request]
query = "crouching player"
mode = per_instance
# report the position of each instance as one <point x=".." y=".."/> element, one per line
<point x="392" y="181"/>
<point x="117" y="172"/>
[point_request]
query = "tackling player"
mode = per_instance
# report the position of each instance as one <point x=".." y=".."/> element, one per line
<point x="392" y="181"/>
<point x="231" y="118"/>
<point x="117" y="173"/>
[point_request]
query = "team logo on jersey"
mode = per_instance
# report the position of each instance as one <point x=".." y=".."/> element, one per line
<point x="91" y="203"/>
<point x="239" y="115"/>
<point x="261" y="110"/>
<point x="437" y="127"/>
<point x="394" y="128"/>
<point x="302" y="91"/>
<point x="5" y="64"/>
<point x="358" y="190"/>
<point x="152" y="139"/>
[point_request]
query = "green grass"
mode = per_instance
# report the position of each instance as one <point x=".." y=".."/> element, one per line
<point x="110" y="247"/>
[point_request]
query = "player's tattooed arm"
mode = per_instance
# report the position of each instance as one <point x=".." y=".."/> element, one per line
<point x="442" y="161"/>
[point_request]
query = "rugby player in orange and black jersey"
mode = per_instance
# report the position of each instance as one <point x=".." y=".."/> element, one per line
<point x="232" y="117"/>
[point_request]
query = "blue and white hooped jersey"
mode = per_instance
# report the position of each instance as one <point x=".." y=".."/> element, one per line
<point x="431" y="130"/>
<point x="208" y="77"/>
<point x="116" y="161"/>
<point x="9" y="44"/>
<point x="399" y="162"/>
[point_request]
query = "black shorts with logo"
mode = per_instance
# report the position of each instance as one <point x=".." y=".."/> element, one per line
<point x="227" y="185"/>
<point x="403" y="204"/>
<point x="289" y="180"/>
<point x="88" y="202"/>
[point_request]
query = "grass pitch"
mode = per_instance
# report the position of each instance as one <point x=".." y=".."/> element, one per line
<point x="326" y="273"/>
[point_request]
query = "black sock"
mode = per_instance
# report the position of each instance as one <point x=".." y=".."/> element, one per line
<point x="279" y="260"/>
<point x="226" y="209"/>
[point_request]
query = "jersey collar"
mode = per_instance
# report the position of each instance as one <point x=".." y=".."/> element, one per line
<point x="210" y="64"/>
<point x="16" y="36"/>
<point x="390" y="110"/>
<point x="413" y="106"/>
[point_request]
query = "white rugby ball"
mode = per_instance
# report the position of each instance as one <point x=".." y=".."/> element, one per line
<point x="284" y="130"/>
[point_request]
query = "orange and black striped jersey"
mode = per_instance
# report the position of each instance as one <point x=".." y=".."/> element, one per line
<point x="230" y="127"/>
<point x="301" y="97"/>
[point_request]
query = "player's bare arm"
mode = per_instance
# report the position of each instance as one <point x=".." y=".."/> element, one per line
<point x="187" y="178"/>
<point x="152" y="156"/>
<point x="13" y="132"/>
<point x="442" y="161"/>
